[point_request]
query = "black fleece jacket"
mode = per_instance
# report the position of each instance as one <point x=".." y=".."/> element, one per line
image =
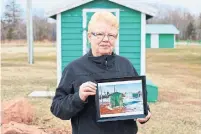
<point x="67" y="104"/>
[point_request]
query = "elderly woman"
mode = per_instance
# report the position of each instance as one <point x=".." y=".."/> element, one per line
<point x="75" y="95"/>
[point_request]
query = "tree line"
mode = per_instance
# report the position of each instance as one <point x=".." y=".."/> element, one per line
<point x="13" y="25"/>
<point x="188" y="24"/>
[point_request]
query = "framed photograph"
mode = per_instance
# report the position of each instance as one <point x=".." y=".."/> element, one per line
<point x="121" y="98"/>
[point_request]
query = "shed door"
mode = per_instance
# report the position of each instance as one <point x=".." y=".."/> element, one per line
<point x="154" y="41"/>
<point x="87" y="13"/>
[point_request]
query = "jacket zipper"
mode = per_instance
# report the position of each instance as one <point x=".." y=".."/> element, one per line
<point x="106" y="63"/>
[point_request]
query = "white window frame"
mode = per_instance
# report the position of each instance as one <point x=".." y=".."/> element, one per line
<point x="143" y="44"/>
<point x="59" y="58"/>
<point x="84" y="14"/>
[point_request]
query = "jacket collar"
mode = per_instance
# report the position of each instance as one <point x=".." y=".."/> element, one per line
<point x="104" y="61"/>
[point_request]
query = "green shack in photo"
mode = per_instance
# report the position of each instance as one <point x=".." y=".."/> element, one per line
<point x="116" y="100"/>
<point x="72" y="19"/>
<point x="160" y="35"/>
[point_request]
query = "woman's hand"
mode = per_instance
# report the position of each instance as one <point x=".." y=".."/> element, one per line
<point x="144" y="120"/>
<point x="87" y="89"/>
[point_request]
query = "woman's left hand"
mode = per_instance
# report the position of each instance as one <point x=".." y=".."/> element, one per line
<point x="144" y="120"/>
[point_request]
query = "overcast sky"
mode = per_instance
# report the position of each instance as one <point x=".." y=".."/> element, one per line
<point x="133" y="87"/>
<point x="193" y="6"/>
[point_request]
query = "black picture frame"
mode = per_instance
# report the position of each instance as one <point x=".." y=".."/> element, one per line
<point x="114" y="103"/>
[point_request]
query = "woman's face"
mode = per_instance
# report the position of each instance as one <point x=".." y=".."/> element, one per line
<point x="102" y="38"/>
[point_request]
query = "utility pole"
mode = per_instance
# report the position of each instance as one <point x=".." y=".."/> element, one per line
<point x="30" y="32"/>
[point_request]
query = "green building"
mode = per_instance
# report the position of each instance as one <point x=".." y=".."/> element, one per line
<point x="72" y="19"/>
<point x="136" y="95"/>
<point x="160" y="35"/>
<point x="116" y="99"/>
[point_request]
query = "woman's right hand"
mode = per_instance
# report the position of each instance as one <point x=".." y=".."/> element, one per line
<point x="86" y="89"/>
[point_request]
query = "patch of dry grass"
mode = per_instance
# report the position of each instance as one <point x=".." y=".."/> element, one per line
<point x="20" y="78"/>
<point x="177" y="73"/>
<point x="22" y="43"/>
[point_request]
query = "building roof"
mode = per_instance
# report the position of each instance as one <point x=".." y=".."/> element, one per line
<point x="137" y="5"/>
<point x="161" y="29"/>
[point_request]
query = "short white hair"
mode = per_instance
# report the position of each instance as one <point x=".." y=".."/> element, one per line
<point x="103" y="16"/>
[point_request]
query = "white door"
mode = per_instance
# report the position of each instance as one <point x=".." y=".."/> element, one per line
<point x="87" y="13"/>
<point x="154" y="41"/>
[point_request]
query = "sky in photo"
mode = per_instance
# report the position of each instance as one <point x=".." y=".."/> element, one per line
<point x="133" y="87"/>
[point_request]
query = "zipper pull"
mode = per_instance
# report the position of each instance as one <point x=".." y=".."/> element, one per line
<point x="106" y="63"/>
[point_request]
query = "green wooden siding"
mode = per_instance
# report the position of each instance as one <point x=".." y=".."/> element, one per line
<point x="166" y="41"/>
<point x="71" y="37"/>
<point x="129" y="32"/>
<point x="148" y="41"/>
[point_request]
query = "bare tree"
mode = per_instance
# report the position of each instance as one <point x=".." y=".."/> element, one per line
<point x="199" y="28"/>
<point x="191" y="31"/>
<point x="14" y="26"/>
<point x="13" y="12"/>
<point x="43" y="29"/>
<point x="11" y="20"/>
<point x="180" y="18"/>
